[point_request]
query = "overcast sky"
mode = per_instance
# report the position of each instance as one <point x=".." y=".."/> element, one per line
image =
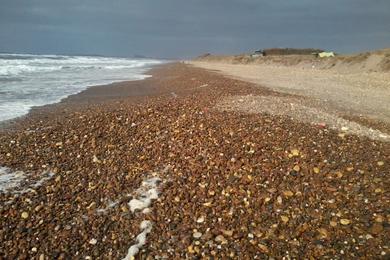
<point x="183" y="28"/>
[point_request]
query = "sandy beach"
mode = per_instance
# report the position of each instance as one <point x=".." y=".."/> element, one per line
<point x="193" y="163"/>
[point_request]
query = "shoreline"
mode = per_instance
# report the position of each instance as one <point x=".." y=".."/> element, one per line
<point x="88" y="96"/>
<point x="81" y="97"/>
<point x="218" y="183"/>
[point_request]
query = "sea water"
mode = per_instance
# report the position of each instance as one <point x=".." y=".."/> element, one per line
<point x="34" y="80"/>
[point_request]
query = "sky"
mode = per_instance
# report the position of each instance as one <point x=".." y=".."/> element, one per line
<point x="187" y="28"/>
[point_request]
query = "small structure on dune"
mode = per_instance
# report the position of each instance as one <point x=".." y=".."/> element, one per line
<point x="319" y="53"/>
<point x="325" y="54"/>
<point x="257" y="54"/>
<point x="290" y="51"/>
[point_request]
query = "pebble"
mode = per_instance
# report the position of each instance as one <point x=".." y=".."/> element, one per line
<point x="380" y="163"/>
<point x="288" y="193"/>
<point x="295" y="152"/>
<point x="376" y="228"/>
<point x="95" y="159"/>
<point x="190" y="249"/>
<point x="25" y="215"/>
<point x="93" y="241"/>
<point x="200" y="220"/>
<point x="197" y="235"/>
<point x="242" y="200"/>
<point x="221" y="239"/>
<point x="285" y="219"/>
<point x="263" y="248"/>
<point x="345" y="221"/>
<point x="228" y="233"/>
<point x="323" y="233"/>
<point x="297" y="168"/>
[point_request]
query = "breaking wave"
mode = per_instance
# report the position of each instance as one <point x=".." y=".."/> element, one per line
<point x="28" y="80"/>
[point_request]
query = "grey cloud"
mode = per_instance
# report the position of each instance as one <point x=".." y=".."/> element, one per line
<point x="177" y="28"/>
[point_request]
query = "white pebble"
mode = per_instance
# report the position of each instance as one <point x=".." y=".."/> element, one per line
<point x="93" y="241"/>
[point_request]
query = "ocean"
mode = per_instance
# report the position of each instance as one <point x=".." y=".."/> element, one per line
<point x="28" y="80"/>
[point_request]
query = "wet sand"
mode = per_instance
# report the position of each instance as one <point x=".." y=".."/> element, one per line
<point x="155" y="168"/>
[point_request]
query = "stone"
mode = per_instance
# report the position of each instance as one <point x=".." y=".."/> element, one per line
<point x="285" y="219"/>
<point x="295" y="152"/>
<point x="190" y="249"/>
<point x="345" y="221"/>
<point x="220" y="239"/>
<point x="197" y="235"/>
<point x="376" y="228"/>
<point x="200" y="220"/>
<point x="323" y="233"/>
<point x="297" y="168"/>
<point x="227" y="233"/>
<point x="263" y="248"/>
<point x="25" y="215"/>
<point x="93" y="241"/>
<point x="288" y="193"/>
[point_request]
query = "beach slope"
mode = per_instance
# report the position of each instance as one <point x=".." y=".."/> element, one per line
<point x="178" y="166"/>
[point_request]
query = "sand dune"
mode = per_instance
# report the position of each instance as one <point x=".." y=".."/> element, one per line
<point x="356" y="85"/>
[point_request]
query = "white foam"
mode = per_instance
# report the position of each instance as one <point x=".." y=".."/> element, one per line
<point x="144" y="197"/>
<point x="10" y="181"/>
<point x="146" y="227"/>
<point x="109" y="206"/>
<point x="36" y="80"/>
<point x="42" y="180"/>
<point x="146" y="193"/>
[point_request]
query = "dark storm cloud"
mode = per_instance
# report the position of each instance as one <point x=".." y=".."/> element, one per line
<point x="175" y="28"/>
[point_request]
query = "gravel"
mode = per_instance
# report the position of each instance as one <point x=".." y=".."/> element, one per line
<point x="293" y="108"/>
<point x="265" y="185"/>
